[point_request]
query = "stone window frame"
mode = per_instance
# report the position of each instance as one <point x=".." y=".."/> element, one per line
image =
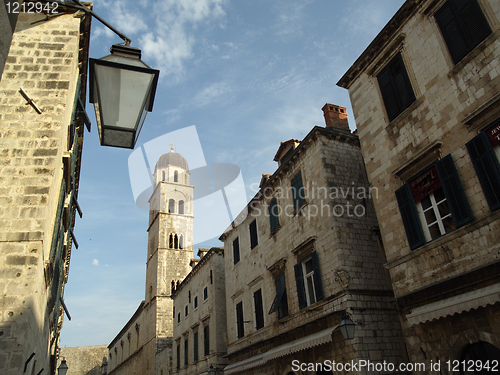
<point x="278" y="270"/>
<point x="380" y="62"/>
<point x="457" y="201"/>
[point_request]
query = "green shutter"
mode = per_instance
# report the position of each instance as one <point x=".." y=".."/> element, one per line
<point x="301" y="290"/>
<point x="452" y="187"/>
<point x="297" y="190"/>
<point x="409" y="215"/>
<point x="317" y="277"/>
<point x="274" y="219"/>
<point x="487" y="169"/>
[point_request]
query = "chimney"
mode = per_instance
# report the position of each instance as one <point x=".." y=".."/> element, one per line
<point x="335" y="117"/>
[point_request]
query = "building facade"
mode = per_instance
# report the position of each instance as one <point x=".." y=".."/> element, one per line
<point x="144" y="345"/>
<point x="42" y="91"/>
<point x="200" y="316"/>
<point x="426" y="98"/>
<point x="304" y="254"/>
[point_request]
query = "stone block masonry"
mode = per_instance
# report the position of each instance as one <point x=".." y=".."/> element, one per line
<point x="45" y="60"/>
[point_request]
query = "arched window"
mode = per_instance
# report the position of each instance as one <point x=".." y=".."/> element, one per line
<point x="481" y="351"/>
<point x="176" y="176"/>
<point x="181" y="241"/>
<point x="171" y="206"/>
<point x="176" y="242"/>
<point x="181" y="207"/>
<point x="171" y="241"/>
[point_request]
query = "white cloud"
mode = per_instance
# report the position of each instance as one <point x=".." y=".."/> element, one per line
<point x="95" y="262"/>
<point x="212" y="93"/>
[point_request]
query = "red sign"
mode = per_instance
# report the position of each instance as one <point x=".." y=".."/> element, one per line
<point x="428" y="182"/>
<point x="494" y="134"/>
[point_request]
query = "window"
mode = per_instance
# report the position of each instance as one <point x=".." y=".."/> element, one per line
<point x="195" y="302"/>
<point x="181" y="207"/>
<point x="176" y="176"/>
<point x="463" y="26"/>
<point x="206" y="340"/>
<point x="239" y="320"/>
<point x="178" y="356"/>
<point x="274" y="219"/>
<point x="253" y="234"/>
<point x="186" y="352"/>
<point x="236" y="250"/>
<point x="186" y="311"/>
<point x="433" y="203"/>
<point x="308" y="280"/>
<point x="259" y="309"/>
<point x="178" y="317"/>
<point x="205" y="293"/>
<point x="395" y="87"/>
<point x="195" y="346"/>
<point x="297" y="191"/>
<point x="171" y="206"/>
<point x="163" y="176"/>
<point x="484" y="151"/>
<point x="280" y="303"/>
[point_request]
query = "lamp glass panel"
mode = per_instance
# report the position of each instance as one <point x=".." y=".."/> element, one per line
<point x="123" y="94"/>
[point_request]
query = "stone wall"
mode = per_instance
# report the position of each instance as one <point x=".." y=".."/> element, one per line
<point x="339" y="227"/>
<point x="453" y="103"/>
<point x="84" y="360"/>
<point x="45" y="60"/>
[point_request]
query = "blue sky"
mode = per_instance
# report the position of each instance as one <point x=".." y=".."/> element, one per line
<point x="248" y="75"/>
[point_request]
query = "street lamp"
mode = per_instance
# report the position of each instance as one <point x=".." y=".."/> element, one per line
<point x="63" y="368"/>
<point x="347" y="327"/>
<point x="211" y="370"/>
<point x="122" y="89"/>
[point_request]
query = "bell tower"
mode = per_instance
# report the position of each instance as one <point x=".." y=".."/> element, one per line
<point x="170" y="237"/>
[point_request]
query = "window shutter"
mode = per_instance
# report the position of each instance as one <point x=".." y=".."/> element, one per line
<point x="487" y="169"/>
<point x="410" y="217"/>
<point x="474" y="22"/>
<point x="239" y="320"/>
<point x="259" y="309"/>
<point x="236" y="250"/>
<point x="452" y="33"/>
<point x="253" y="234"/>
<point x="395" y="87"/>
<point x="452" y="187"/>
<point x="299" y="280"/>
<point x="402" y="83"/>
<point x="274" y="219"/>
<point x="297" y="189"/>
<point x="195" y="346"/>
<point x="317" y="277"/>
<point x="463" y="26"/>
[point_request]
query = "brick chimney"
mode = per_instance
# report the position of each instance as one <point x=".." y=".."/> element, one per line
<point x="335" y="117"/>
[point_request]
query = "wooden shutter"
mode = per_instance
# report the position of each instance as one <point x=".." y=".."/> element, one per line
<point x="452" y="187"/>
<point x="274" y="219"/>
<point x="236" y="250"/>
<point x="463" y="26"/>
<point x="239" y="320"/>
<point x="253" y="234"/>
<point x="409" y="215"/>
<point x="259" y="309"/>
<point x="487" y="169"/>
<point x="318" y="287"/>
<point x="301" y="290"/>
<point x="195" y="346"/>
<point x="206" y="339"/>
<point x="297" y="190"/>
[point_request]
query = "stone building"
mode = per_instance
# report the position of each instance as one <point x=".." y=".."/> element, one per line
<point x="304" y="253"/>
<point x="200" y="316"/>
<point x="42" y="88"/>
<point x="426" y="98"/>
<point x="144" y="345"/>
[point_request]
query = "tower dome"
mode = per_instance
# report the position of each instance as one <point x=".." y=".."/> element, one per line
<point x="173" y="159"/>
